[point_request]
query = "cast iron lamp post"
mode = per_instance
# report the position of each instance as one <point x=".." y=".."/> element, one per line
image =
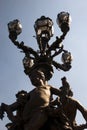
<point x="45" y="57"/>
<point x="44" y="31"/>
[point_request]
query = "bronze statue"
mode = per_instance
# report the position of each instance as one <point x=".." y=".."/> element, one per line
<point x="33" y="106"/>
<point x="69" y="105"/>
<point x="18" y="106"/>
<point x="35" y="110"/>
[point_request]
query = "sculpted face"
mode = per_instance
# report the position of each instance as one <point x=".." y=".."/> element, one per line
<point x="37" y="78"/>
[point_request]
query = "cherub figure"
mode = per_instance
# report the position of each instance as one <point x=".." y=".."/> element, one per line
<point x="69" y="105"/>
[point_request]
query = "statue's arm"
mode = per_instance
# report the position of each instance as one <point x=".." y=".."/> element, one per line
<point x="82" y="110"/>
<point x="55" y="91"/>
<point x="55" y="102"/>
<point x="9" y="109"/>
<point x="14" y="106"/>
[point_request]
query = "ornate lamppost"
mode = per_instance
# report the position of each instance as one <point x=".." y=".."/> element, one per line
<point x="44" y="58"/>
<point x="44" y="31"/>
<point x="32" y="108"/>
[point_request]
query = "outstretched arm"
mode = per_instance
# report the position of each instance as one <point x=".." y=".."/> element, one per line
<point x="55" y="91"/>
<point x="9" y="110"/>
<point x="82" y="110"/>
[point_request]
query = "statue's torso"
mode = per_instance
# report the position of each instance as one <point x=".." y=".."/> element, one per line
<point x="39" y="98"/>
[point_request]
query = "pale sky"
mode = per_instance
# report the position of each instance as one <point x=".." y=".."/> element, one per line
<point x="12" y="77"/>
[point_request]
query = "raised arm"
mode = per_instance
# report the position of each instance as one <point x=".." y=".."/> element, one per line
<point x="55" y="91"/>
<point x="82" y="110"/>
<point x="9" y="110"/>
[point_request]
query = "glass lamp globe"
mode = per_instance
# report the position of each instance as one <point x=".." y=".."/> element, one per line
<point x="15" y="26"/>
<point x="67" y="57"/>
<point x="64" y="20"/>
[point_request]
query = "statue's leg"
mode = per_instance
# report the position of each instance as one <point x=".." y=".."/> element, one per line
<point x="37" y="120"/>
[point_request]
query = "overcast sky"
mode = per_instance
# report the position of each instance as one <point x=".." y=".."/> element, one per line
<point x="12" y="77"/>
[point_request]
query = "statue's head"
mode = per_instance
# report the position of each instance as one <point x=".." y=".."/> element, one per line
<point x="41" y="73"/>
<point x="66" y="89"/>
<point x="41" y="64"/>
<point x="21" y="93"/>
<point x="37" y="77"/>
<point x="63" y="78"/>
